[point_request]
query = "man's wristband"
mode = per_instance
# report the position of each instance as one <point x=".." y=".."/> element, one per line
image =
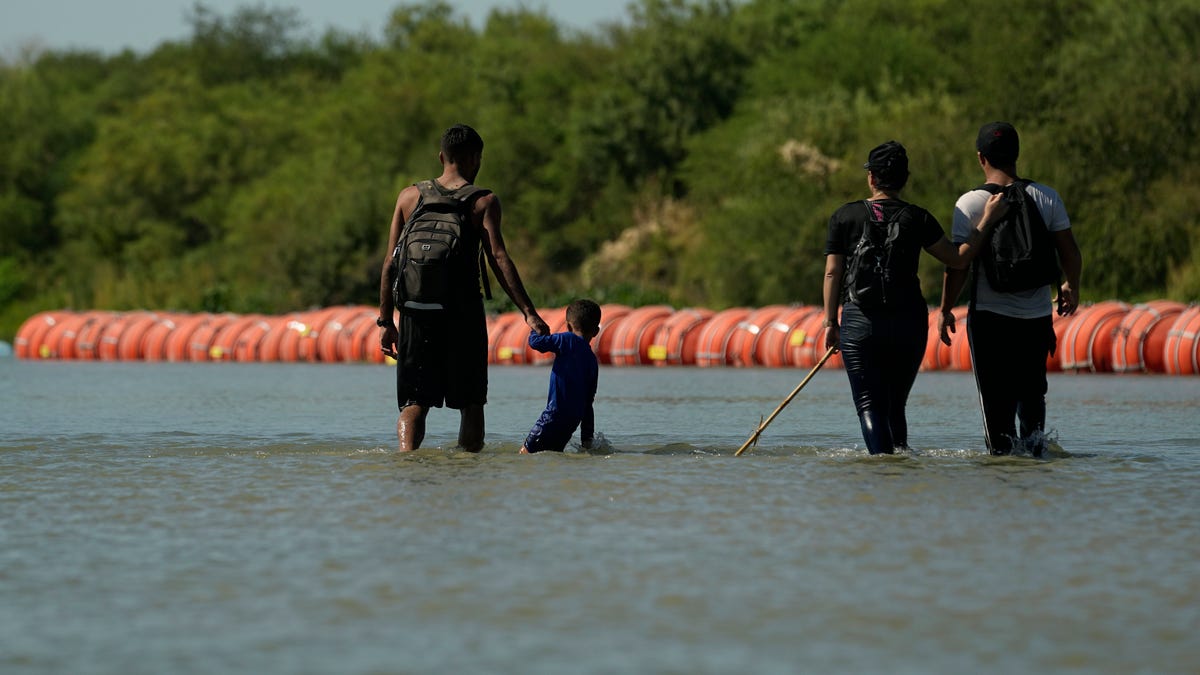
<point x="382" y="322"/>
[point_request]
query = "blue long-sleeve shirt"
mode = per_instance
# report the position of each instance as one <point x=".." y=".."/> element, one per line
<point x="573" y="379"/>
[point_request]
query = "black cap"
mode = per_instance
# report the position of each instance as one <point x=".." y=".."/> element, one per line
<point x="998" y="143"/>
<point x="889" y="162"/>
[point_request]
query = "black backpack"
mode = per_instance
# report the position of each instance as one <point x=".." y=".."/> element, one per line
<point x="434" y="256"/>
<point x="1018" y="254"/>
<point x="868" y="275"/>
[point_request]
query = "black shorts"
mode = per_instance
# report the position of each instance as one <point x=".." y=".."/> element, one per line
<point x="442" y="358"/>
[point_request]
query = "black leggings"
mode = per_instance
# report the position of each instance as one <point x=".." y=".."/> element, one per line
<point x="882" y="352"/>
<point x="1009" y="357"/>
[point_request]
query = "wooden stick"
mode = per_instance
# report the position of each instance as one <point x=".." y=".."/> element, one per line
<point x="754" y="436"/>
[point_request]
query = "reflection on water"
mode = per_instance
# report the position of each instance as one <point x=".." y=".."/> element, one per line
<point x="257" y="519"/>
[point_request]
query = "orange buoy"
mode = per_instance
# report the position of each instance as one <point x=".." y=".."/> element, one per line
<point x="497" y="325"/>
<point x="87" y="340"/>
<point x="1181" y="350"/>
<point x="713" y="341"/>
<point x="295" y="332"/>
<point x="269" y="345"/>
<point x="154" y="342"/>
<point x="1087" y="344"/>
<point x="111" y="336"/>
<point x="611" y="316"/>
<point x="179" y="342"/>
<point x="245" y="346"/>
<point x="28" y="342"/>
<point x="511" y="342"/>
<point x="744" y="336"/>
<point x="200" y="346"/>
<point x="676" y="338"/>
<point x="308" y="348"/>
<point x="224" y="340"/>
<point x="60" y="342"/>
<point x="806" y="345"/>
<point x="1142" y="334"/>
<point x="329" y="333"/>
<point x="773" y="347"/>
<point x="635" y="335"/>
<point x="306" y="344"/>
<point x="129" y="343"/>
<point x="352" y="336"/>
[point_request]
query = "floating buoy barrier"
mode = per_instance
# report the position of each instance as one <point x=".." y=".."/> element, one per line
<point x="634" y="334"/>
<point x="807" y="344"/>
<point x="1088" y="342"/>
<point x="1181" y="353"/>
<point x="942" y="356"/>
<point x="1140" y="341"/>
<point x="610" y="316"/>
<point x="675" y="344"/>
<point x="743" y="339"/>
<point x="713" y="343"/>
<point x="773" y="347"/>
<point x="1159" y="336"/>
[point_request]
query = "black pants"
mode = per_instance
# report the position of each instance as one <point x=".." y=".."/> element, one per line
<point x="882" y="351"/>
<point x="1009" y="359"/>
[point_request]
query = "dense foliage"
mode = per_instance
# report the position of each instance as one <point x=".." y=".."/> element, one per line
<point x="691" y="154"/>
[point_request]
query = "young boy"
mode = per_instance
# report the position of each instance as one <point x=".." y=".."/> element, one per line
<point x="572" y="381"/>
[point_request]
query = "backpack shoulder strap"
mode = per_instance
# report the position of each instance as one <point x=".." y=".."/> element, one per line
<point x="432" y="193"/>
<point x="893" y="224"/>
<point x="899" y="214"/>
<point x="466" y="196"/>
<point x="427" y="189"/>
<point x="427" y="194"/>
<point x="468" y="193"/>
<point x="871" y="212"/>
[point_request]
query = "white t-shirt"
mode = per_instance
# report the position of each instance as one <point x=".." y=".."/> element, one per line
<point x="1031" y="304"/>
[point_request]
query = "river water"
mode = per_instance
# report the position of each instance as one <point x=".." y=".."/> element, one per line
<point x="255" y="518"/>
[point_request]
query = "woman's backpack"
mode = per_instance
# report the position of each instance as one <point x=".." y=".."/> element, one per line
<point x="868" y="275"/>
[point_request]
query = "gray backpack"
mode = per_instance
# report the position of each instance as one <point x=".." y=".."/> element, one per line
<point x="434" y="262"/>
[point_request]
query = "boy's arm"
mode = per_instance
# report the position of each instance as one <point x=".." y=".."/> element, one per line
<point x="587" y="426"/>
<point x="543" y="343"/>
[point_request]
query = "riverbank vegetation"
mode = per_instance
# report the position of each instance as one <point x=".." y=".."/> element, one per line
<point x="690" y="155"/>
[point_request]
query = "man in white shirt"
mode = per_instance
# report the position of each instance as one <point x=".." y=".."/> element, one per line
<point x="1011" y="332"/>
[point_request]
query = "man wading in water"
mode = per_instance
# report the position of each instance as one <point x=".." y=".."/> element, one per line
<point x="441" y="343"/>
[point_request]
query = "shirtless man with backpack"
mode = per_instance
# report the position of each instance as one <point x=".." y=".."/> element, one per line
<point x="441" y="233"/>
<point x="1010" y="325"/>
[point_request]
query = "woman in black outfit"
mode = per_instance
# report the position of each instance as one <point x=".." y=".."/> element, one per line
<point x="885" y="321"/>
